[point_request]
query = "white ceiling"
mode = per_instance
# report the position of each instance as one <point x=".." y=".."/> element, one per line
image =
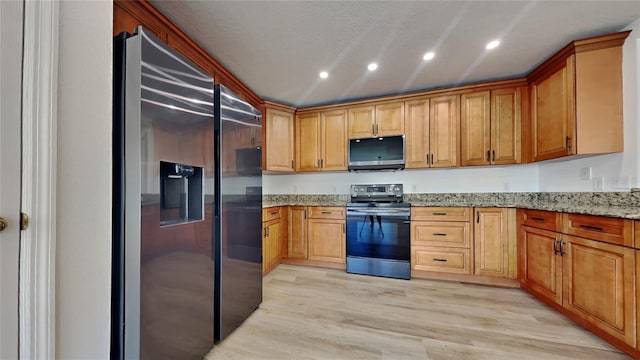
<point x="278" y="48"/>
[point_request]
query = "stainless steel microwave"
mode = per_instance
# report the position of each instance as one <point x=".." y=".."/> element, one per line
<point x="379" y="153"/>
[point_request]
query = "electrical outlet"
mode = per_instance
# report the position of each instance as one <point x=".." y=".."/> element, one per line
<point x="295" y="189"/>
<point x="334" y="189"/>
<point x="506" y="186"/>
<point x="598" y="183"/>
<point x="413" y="188"/>
<point x="620" y="182"/>
<point x="585" y="173"/>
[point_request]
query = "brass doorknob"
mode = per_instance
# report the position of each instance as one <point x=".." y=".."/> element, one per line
<point x="3" y="224"/>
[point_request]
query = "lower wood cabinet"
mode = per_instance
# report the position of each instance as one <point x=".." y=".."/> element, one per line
<point x="593" y="282"/>
<point x="327" y="240"/>
<point x="271" y="245"/>
<point x="495" y="242"/>
<point x="297" y="232"/>
<point x="441" y="259"/>
<point x="598" y="285"/>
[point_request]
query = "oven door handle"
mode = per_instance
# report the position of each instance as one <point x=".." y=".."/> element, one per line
<point x="403" y="214"/>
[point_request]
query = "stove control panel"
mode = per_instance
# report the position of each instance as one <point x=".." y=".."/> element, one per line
<point x="379" y="191"/>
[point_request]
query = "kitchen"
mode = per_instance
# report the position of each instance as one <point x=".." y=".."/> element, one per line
<point x="548" y="177"/>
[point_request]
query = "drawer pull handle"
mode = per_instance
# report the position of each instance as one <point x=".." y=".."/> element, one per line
<point x="274" y="213"/>
<point x="440" y="260"/>
<point x="589" y="227"/>
<point x="326" y="212"/>
<point x="440" y="213"/>
<point x="439" y="234"/>
<point x="555" y="246"/>
<point x="537" y="218"/>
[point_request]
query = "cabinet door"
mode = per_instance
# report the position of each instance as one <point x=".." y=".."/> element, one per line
<point x="271" y="245"/>
<point x="334" y="140"/>
<point x="361" y="121"/>
<point x="280" y="143"/>
<point x="443" y="132"/>
<point x="553" y="113"/>
<point x="308" y="142"/>
<point x="417" y="133"/>
<point x="542" y="268"/>
<point x="495" y="251"/>
<point x="298" y="232"/>
<point x="284" y="232"/>
<point x="327" y="240"/>
<point x="389" y="119"/>
<point x="475" y="128"/>
<point x="505" y="126"/>
<point x="599" y="285"/>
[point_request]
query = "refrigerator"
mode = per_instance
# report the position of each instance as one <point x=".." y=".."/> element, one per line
<point x="187" y="190"/>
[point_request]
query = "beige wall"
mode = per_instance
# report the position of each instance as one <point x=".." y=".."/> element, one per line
<point x="83" y="254"/>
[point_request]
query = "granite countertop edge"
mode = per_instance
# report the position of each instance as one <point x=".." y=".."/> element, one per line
<point x="626" y="212"/>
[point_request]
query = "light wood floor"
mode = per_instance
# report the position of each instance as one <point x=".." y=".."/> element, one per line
<point x="310" y="313"/>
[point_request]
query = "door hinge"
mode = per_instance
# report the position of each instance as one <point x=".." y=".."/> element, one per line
<point x="568" y="142"/>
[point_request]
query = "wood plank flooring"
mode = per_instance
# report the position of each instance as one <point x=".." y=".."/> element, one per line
<point x="311" y="313"/>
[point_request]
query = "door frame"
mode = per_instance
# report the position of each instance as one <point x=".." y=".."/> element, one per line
<point x="37" y="306"/>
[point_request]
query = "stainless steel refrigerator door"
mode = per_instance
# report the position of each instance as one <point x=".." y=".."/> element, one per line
<point x="238" y="242"/>
<point x="169" y="182"/>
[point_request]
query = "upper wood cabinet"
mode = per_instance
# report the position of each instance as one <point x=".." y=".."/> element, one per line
<point x="279" y="144"/>
<point x="321" y="141"/>
<point x="576" y="99"/>
<point x="389" y="119"/>
<point x="444" y="117"/>
<point x="490" y="127"/>
<point x="432" y="132"/>
<point x="376" y="120"/>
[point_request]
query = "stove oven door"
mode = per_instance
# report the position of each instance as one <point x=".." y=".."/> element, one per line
<point x="379" y="233"/>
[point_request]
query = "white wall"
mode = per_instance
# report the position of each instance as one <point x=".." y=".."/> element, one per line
<point x="565" y="175"/>
<point x="520" y="178"/>
<point x="83" y="254"/>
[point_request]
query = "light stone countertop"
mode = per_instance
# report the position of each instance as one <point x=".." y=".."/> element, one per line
<point x="613" y="204"/>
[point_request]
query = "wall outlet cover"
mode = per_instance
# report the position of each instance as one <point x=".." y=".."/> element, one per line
<point x="585" y="173"/>
<point x="621" y="182"/>
<point x="598" y="183"/>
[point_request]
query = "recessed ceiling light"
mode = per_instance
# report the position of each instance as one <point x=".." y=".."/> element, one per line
<point x="428" y="56"/>
<point x="372" y="66"/>
<point x="324" y="74"/>
<point x="493" y="44"/>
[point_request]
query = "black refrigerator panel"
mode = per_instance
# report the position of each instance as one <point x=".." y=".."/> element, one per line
<point x="164" y="200"/>
<point x="238" y="240"/>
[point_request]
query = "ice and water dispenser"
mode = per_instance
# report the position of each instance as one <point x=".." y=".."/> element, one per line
<point x="181" y="193"/>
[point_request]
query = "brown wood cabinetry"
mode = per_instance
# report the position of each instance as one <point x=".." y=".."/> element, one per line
<point x="443" y="245"/>
<point x="490" y="127"/>
<point x="271" y="245"/>
<point x="382" y="119"/>
<point x="495" y="242"/>
<point x="280" y="143"/>
<point x="612" y="230"/>
<point x="321" y="141"/>
<point x="327" y="235"/>
<point x="272" y="232"/>
<point x="432" y="132"/>
<point x="297" y="232"/>
<point x="576" y="99"/>
<point x="599" y="285"/>
<point x="585" y="278"/>
<point x="444" y="118"/>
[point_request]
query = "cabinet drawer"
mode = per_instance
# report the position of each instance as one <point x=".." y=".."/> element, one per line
<point x="326" y="212"/>
<point x="447" y="234"/>
<point x="612" y="230"/>
<point x="270" y="213"/>
<point x="441" y="213"/>
<point x="448" y="260"/>
<point x="548" y="220"/>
